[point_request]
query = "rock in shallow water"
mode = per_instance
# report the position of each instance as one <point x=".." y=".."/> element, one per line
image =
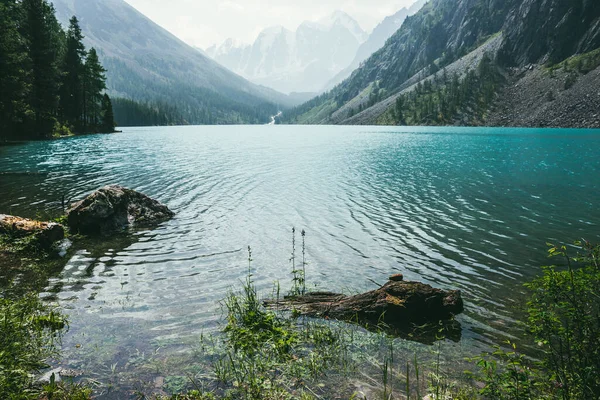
<point x="45" y="233"/>
<point x="114" y="208"/>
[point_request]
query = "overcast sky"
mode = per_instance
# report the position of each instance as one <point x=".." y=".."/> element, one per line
<point x="202" y="23"/>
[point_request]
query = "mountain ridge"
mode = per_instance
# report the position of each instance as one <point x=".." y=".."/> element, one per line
<point x="381" y="33"/>
<point x="444" y="32"/>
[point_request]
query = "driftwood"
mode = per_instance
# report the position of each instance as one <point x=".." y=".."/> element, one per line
<point x="44" y="233"/>
<point x="410" y="309"/>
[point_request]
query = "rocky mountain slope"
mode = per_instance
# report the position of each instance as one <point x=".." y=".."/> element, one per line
<point x="454" y="62"/>
<point x="376" y="41"/>
<point x="145" y="62"/>
<point x="300" y="61"/>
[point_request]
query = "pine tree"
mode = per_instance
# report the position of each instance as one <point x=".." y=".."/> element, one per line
<point x="108" y="116"/>
<point x="73" y="67"/>
<point x="13" y="75"/>
<point x="94" y="84"/>
<point x="44" y="39"/>
<point x="400" y="111"/>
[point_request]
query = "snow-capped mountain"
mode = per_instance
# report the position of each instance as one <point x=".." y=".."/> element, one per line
<point x="300" y="61"/>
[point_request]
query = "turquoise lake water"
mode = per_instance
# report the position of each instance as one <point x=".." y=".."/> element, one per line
<point x="466" y="208"/>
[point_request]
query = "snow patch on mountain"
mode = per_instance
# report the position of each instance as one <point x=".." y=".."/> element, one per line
<point x="300" y="61"/>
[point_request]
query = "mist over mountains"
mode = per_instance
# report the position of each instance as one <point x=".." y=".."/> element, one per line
<point x="299" y="61"/>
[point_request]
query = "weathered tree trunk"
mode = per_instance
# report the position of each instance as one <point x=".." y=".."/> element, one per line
<point x="399" y="306"/>
<point x="45" y="233"/>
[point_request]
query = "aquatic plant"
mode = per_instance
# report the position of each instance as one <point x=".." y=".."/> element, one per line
<point x="298" y="275"/>
<point x="29" y="330"/>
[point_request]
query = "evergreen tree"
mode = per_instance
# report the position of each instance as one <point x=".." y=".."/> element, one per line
<point x="400" y="112"/>
<point x="13" y="75"/>
<point x="94" y="84"/>
<point x="44" y="39"/>
<point x="108" y="117"/>
<point x="47" y="78"/>
<point x="73" y="67"/>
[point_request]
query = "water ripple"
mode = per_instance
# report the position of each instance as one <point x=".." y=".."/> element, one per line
<point x="466" y="208"/>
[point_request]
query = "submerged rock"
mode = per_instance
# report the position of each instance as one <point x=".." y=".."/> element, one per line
<point x="399" y="306"/>
<point x="44" y="233"/>
<point x="114" y="208"/>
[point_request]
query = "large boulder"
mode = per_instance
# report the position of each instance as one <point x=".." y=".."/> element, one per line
<point x="114" y="208"/>
<point x="43" y="233"/>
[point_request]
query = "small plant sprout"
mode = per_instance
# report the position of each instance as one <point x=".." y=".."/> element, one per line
<point x="249" y="278"/>
<point x="295" y="272"/>
<point x="303" y="261"/>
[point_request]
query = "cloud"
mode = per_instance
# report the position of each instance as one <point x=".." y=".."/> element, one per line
<point x="204" y="22"/>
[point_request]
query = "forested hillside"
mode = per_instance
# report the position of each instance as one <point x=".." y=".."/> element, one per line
<point x="464" y="54"/>
<point x="146" y="63"/>
<point x="132" y="113"/>
<point x="49" y="83"/>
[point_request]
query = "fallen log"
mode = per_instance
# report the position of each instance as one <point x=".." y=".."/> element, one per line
<point x="413" y="310"/>
<point x="43" y="233"/>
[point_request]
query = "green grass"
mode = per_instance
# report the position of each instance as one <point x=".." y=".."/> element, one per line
<point x="272" y="356"/>
<point x="266" y="354"/>
<point x="29" y="330"/>
<point x="263" y="354"/>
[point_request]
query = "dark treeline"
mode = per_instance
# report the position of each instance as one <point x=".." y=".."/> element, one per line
<point x="133" y="113"/>
<point x="49" y="83"/>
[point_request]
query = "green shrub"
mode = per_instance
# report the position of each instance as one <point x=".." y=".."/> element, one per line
<point x="509" y="375"/>
<point x="61" y="130"/>
<point x="564" y="318"/>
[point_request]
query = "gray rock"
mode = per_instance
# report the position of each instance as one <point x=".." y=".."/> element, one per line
<point x="114" y="208"/>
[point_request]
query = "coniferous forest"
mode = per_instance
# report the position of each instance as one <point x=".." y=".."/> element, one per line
<point x="50" y="84"/>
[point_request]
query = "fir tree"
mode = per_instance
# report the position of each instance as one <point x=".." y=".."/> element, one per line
<point x="94" y="84"/>
<point x="72" y="90"/>
<point x="44" y="35"/>
<point x="108" y="117"/>
<point x="400" y="112"/>
<point x="13" y="75"/>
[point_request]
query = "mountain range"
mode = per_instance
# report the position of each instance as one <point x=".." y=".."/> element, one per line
<point x="463" y="62"/>
<point x="475" y="62"/>
<point x="303" y="60"/>
<point x="147" y="63"/>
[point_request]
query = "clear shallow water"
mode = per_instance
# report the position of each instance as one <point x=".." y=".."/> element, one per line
<point x="465" y="208"/>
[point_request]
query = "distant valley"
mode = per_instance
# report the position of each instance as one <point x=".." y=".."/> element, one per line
<point x="148" y="64"/>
